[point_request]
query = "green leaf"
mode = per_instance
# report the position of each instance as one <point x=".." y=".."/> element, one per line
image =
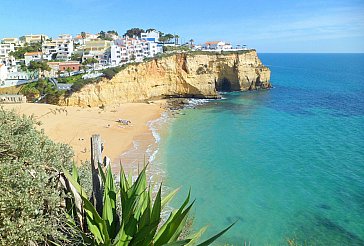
<point x="109" y="214"/>
<point x="163" y="229"/>
<point x="101" y="172"/>
<point x="75" y="173"/>
<point x="96" y="224"/>
<point x="212" y="239"/>
<point x="74" y="182"/>
<point x="169" y="197"/>
<point x="174" y="227"/>
<point x="197" y="236"/>
<point x="122" y="238"/>
<point x="178" y="243"/>
<point x="157" y="207"/>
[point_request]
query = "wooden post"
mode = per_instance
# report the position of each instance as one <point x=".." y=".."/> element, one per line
<point x="96" y="158"/>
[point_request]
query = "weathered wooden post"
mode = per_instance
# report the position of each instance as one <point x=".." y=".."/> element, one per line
<point x="96" y="158"/>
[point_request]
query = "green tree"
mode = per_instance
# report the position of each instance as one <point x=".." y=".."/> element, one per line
<point x="39" y="66"/>
<point x="176" y="38"/>
<point x="90" y="61"/>
<point x="163" y="39"/>
<point x="20" y="51"/>
<point x="76" y="56"/>
<point x="169" y="37"/>
<point x="105" y="36"/>
<point x="30" y="200"/>
<point x="192" y="43"/>
<point x="83" y="35"/>
<point x="102" y="35"/>
<point x="112" y="32"/>
<point x="134" y="32"/>
<point x="69" y="70"/>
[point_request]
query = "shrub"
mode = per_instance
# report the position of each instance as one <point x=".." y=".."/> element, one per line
<point x="79" y="84"/>
<point x="139" y="220"/>
<point x="30" y="202"/>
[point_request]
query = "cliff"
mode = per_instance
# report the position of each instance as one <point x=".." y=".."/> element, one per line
<point x="198" y="75"/>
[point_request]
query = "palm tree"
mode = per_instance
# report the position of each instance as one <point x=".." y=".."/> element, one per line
<point x="191" y="42"/>
<point x="176" y="37"/>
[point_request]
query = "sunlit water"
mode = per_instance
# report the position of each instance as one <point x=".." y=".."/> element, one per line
<point x="287" y="163"/>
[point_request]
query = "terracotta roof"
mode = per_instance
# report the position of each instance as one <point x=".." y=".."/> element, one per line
<point x="212" y="42"/>
<point x="32" y="53"/>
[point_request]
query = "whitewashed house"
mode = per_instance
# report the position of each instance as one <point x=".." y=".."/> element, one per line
<point x="58" y="49"/>
<point x="152" y="36"/>
<point x="32" y="56"/>
<point x="5" y="57"/>
<point x="3" y="73"/>
<point x="217" y="45"/>
<point x="14" y="41"/>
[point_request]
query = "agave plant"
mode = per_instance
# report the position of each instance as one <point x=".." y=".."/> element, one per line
<point x="139" y="221"/>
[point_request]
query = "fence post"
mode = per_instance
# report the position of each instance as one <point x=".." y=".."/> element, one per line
<point x="96" y="158"/>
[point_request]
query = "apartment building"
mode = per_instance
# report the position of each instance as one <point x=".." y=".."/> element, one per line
<point x="5" y="57"/>
<point x="14" y="41"/>
<point x="58" y="49"/>
<point x="133" y="49"/>
<point x="35" y="38"/>
<point x="3" y="72"/>
<point x="152" y="36"/>
<point x="98" y="49"/>
<point x="32" y="56"/>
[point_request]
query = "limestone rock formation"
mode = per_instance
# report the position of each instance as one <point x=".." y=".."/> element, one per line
<point x="198" y="75"/>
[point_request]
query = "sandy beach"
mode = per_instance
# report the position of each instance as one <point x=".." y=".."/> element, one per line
<point x="75" y="125"/>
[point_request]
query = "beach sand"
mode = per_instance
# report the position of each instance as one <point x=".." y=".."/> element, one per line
<point x="75" y="125"/>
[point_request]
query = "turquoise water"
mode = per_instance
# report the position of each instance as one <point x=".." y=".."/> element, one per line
<point x="287" y="163"/>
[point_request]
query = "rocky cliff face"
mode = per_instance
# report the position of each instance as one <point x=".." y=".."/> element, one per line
<point x="179" y="75"/>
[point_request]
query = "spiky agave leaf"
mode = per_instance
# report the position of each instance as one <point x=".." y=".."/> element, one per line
<point x="109" y="213"/>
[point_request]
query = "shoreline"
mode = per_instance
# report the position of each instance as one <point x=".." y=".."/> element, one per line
<point x="75" y="125"/>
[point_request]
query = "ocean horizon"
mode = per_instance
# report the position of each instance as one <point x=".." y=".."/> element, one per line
<point x="285" y="163"/>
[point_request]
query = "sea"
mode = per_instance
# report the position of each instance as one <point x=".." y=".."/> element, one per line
<point x="285" y="164"/>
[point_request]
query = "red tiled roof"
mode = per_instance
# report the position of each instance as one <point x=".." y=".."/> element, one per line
<point x="212" y="42"/>
<point x="32" y="53"/>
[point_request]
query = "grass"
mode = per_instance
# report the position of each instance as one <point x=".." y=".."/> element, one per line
<point x="70" y="80"/>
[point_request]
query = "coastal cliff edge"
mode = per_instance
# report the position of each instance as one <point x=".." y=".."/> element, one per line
<point x="196" y="75"/>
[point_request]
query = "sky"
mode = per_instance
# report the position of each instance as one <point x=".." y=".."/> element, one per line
<point x="266" y="25"/>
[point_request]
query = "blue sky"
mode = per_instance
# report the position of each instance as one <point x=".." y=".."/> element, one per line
<point x="268" y="26"/>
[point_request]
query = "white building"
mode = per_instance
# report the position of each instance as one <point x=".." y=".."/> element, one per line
<point x="3" y="72"/>
<point x="58" y="49"/>
<point x="132" y="49"/>
<point x="98" y="49"/>
<point x="88" y="37"/>
<point x="115" y="54"/>
<point x="65" y="36"/>
<point x="32" y="56"/>
<point x="152" y="36"/>
<point x="217" y="45"/>
<point x="14" y="41"/>
<point x="5" y="57"/>
<point x="35" y="38"/>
